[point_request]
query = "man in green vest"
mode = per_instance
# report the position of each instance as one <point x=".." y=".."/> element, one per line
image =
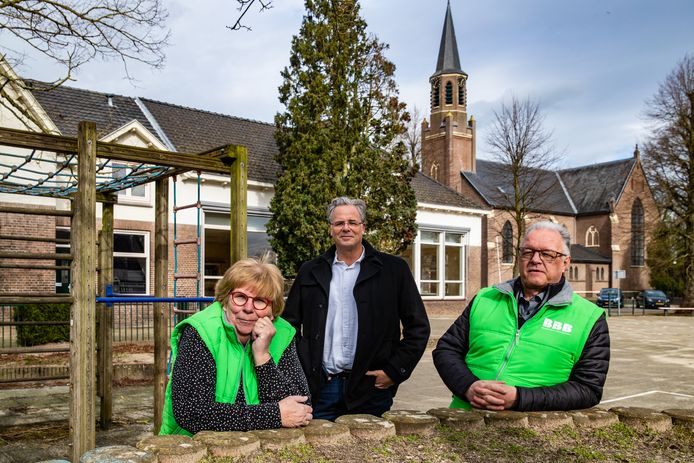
<point x="529" y="343"/>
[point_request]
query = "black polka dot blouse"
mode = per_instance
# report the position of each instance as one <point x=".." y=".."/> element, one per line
<point x="193" y="390"/>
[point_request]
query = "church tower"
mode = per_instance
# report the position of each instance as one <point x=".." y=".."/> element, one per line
<point x="448" y="141"/>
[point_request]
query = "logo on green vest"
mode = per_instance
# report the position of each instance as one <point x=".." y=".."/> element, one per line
<point x="557" y="326"/>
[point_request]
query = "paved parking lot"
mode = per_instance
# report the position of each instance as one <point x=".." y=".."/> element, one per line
<point x="652" y="366"/>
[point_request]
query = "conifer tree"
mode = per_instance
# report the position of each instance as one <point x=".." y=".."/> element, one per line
<point x="338" y="137"/>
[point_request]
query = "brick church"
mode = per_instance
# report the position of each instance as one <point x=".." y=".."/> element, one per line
<point x="608" y="207"/>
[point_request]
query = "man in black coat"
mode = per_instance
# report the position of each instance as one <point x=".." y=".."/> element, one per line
<point x="348" y="306"/>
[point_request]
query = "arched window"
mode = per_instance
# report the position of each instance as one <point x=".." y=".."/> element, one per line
<point x="576" y="273"/>
<point x="449" y="92"/>
<point x="461" y="92"/>
<point x="434" y="171"/>
<point x="592" y="237"/>
<point x="507" y="245"/>
<point x="637" y="233"/>
<point x="571" y="273"/>
<point x="435" y="98"/>
<point x="602" y="273"/>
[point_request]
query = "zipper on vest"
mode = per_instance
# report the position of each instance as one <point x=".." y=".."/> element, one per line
<point x="507" y="355"/>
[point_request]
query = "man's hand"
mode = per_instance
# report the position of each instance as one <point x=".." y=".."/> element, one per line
<point x="383" y="381"/>
<point x="491" y="395"/>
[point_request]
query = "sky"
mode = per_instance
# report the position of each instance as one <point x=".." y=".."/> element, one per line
<point x="590" y="64"/>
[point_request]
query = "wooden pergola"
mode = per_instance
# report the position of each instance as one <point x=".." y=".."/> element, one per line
<point x="86" y="261"/>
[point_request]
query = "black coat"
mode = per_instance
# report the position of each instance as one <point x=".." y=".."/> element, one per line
<point x="386" y="296"/>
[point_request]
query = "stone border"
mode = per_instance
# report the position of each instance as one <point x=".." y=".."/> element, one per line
<point x="182" y="449"/>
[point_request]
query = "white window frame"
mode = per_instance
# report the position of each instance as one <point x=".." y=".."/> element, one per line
<point x="441" y="261"/>
<point x="205" y="225"/>
<point x="144" y="254"/>
<point x="126" y="196"/>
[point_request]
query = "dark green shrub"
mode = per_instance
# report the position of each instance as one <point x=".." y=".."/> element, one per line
<point x="32" y="335"/>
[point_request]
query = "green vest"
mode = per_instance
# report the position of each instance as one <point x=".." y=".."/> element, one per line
<point x="230" y="356"/>
<point x="541" y="353"/>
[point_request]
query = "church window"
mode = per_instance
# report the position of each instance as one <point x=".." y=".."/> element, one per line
<point x="434" y="171"/>
<point x="592" y="237"/>
<point x="637" y="233"/>
<point x="571" y="273"/>
<point x="576" y="273"/>
<point x="449" y="92"/>
<point x="435" y="98"/>
<point x="507" y="243"/>
<point x="462" y="97"/>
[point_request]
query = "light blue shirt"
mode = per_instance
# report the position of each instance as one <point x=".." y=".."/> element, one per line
<point x="341" y="324"/>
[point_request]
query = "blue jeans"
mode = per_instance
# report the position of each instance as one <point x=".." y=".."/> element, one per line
<point x="331" y="402"/>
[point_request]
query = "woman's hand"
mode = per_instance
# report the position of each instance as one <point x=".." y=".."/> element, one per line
<point x="262" y="334"/>
<point x="295" y="412"/>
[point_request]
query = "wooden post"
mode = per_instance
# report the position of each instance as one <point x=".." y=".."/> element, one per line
<point x="161" y="289"/>
<point x="82" y="315"/>
<point x="238" y="238"/>
<point x="104" y="318"/>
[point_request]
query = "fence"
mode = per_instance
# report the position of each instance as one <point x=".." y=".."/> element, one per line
<point x="132" y="321"/>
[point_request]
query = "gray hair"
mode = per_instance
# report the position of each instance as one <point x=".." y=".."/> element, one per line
<point x="556" y="227"/>
<point x="345" y="201"/>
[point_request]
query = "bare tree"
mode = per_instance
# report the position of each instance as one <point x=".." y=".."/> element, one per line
<point x="72" y="32"/>
<point x="669" y="162"/>
<point x="526" y="160"/>
<point x="244" y="6"/>
<point x="412" y="137"/>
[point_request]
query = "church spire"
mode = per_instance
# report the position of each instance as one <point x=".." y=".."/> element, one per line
<point x="449" y="61"/>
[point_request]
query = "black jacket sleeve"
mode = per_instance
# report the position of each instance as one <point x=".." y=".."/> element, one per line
<point x="415" y="328"/>
<point x="585" y="384"/>
<point x="450" y="352"/>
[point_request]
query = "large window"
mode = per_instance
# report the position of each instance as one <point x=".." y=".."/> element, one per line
<point x="130" y="262"/>
<point x="440" y="256"/>
<point x="217" y="247"/>
<point x="637" y="233"/>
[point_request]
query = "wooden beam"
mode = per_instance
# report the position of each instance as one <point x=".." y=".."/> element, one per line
<point x="33" y="299"/>
<point x="161" y="289"/>
<point x="37" y="210"/>
<point x="238" y="203"/>
<point x="60" y="144"/>
<point x="28" y="255"/>
<point x="82" y="314"/>
<point x="105" y="320"/>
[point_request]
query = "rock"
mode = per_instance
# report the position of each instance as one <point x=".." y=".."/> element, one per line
<point x="681" y="417"/>
<point x="228" y="444"/>
<point x="276" y="439"/>
<point x="549" y="420"/>
<point x="322" y="432"/>
<point x="642" y="418"/>
<point x="458" y="418"/>
<point x="367" y="427"/>
<point x="117" y="454"/>
<point x="174" y="448"/>
<point x="593" y="418"/>
<point x="505" y="419"/>
<point x="408" y="422"/>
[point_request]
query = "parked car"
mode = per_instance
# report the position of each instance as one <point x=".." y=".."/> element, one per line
<point x="611" y="297"/>
<point x="652" y="299"/>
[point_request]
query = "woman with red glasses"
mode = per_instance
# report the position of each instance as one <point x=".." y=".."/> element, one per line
<point x="234" y="364"/>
